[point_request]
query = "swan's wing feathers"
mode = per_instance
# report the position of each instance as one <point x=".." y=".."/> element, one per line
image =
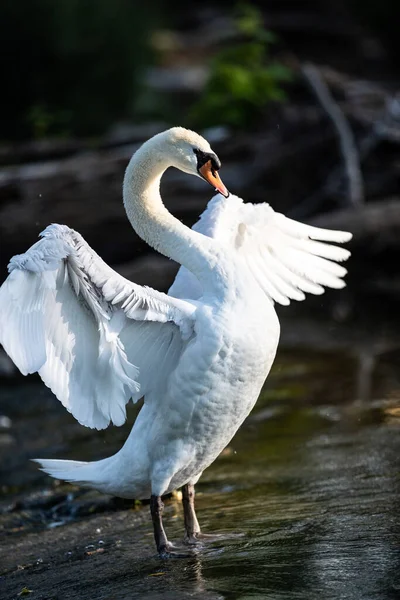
<point x="288" y="258"/>
<point x="106" y="290"/>
<point x="301" y="230"/>
<point x="67" y="315"/>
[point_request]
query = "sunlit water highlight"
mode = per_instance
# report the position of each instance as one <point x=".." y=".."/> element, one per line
<point x="311" y="482"/>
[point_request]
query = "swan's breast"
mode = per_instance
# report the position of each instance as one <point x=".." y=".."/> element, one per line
<point x="213" y="388"/>
<point x="221" y="373"/>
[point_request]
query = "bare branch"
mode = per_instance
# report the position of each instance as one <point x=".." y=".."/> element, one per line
<point x="347" y="144"/>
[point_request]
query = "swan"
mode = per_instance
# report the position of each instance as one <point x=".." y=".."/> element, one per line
<point x="199" y="355"/>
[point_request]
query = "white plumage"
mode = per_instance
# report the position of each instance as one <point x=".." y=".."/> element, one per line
<point x="65" y="313"/>
<point x="282" y="254"/>
<point x="198" y="355"/>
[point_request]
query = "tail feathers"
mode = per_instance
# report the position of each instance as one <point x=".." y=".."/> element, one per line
<point x="68" y="470"/>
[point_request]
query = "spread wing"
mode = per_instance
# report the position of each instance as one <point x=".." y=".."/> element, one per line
<point x="287" y="258"/>
<point x="95" y="338"/>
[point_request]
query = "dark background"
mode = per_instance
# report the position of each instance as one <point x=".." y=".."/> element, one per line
<point x="85" y="82"/>
<point x="300" y="99"/>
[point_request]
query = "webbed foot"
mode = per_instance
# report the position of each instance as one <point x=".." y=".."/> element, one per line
<point x="169" y="550"/>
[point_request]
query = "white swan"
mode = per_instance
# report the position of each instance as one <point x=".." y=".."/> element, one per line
<point x="199" y="355"/>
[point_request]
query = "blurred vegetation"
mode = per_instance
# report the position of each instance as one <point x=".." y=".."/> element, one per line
<point x="70" y="67"/>
<point x="75" y="67"/>
<point x="243" y="79"/>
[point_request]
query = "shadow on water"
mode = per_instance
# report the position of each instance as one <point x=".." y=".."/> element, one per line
<point x="311" y="482"/>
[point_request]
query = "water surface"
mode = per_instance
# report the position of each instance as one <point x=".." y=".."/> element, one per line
<point x="311" y="482"/>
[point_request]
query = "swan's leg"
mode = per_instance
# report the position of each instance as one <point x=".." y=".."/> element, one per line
<point x="192" y="526"/>
<point x="157" y="509"/>
<point x="193" y="533"/>
<point x="164" y="547"/>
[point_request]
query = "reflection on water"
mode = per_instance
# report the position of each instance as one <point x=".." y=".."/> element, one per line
<point x="311" y="480"/>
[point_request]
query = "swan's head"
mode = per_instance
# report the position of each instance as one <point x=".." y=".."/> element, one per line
<point x="191" y="153"/>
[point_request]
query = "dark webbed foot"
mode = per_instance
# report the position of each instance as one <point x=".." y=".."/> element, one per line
<point x="192" y="526"/>
<point x="165" y="548"/>
<point x="171" y="551"/>
<point x="193" y="535"/>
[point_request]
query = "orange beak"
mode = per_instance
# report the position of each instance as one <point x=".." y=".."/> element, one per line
<point x="211" y="175"/>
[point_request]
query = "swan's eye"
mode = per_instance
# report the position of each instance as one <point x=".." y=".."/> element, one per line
<point x="204" y="157"/>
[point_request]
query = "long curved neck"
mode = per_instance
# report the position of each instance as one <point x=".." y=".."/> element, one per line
<point x="152" y="221"/>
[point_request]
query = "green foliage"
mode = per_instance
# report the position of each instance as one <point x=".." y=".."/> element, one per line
<point x="243" y="80"/>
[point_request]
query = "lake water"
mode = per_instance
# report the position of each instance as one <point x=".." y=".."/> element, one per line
<point x="307" y="494"/>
